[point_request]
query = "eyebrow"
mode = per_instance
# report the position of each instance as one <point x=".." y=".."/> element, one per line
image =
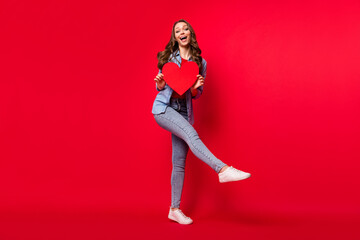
<point x="179" y="27"/>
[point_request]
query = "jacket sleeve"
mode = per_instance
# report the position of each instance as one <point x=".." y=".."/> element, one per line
<point x="156" y="84"/>
<point x="203" y="73"/>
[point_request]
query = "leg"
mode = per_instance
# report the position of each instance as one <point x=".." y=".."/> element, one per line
<point x="179" y="153"/>
<point x="172" y="121"/>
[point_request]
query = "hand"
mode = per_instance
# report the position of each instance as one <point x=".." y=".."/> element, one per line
<point x="199" y="82"/>
<point x="159" y="79"/>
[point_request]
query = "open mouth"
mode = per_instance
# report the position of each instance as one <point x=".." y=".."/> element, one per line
<point x="183" y="38"/>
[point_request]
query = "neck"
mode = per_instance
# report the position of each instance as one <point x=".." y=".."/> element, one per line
<point x="184" y="52"/>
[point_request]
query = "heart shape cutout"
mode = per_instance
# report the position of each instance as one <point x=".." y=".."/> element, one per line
<point x="180" y="79"/>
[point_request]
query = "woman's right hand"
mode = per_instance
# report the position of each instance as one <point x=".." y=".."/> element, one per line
<point x="159" y="79"/>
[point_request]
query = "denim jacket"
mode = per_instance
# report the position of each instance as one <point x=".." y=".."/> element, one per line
<point x="162" y="100"/>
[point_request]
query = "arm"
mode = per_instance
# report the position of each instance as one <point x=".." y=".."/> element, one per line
<point x="157" y="86"/>
<point x="196" y="93"/>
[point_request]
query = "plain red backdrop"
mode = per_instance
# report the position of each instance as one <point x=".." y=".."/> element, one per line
<point x="281" y="100"/>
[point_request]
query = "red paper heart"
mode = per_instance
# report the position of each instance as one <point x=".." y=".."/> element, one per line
<point x="180" y="79"/>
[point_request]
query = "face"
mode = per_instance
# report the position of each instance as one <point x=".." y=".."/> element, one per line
<point x="182" y="34"/>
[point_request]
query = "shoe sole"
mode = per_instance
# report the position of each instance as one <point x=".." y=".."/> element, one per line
<point x="236" y="180"/>
<point x="172" y="219"/>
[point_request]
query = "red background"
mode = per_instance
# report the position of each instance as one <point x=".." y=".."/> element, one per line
<point x="81" y="156"/>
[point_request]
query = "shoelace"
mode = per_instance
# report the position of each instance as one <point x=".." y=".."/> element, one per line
<point x="183" y="214"/>
<point x="236" y="170"/>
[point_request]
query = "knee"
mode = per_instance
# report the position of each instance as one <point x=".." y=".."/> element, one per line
<point x="179" y="165"/>
<point x="193" y="136"/>
<point x="191" y="133"/>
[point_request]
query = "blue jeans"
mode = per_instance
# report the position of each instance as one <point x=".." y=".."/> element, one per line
<point x="183" y="136"/>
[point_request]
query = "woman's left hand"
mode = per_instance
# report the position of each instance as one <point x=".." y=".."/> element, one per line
<point x="199" y="82"/>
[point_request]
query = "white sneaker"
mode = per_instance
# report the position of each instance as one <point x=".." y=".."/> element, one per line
<point x="178" y="216"/>
<point x="232" y="174"/>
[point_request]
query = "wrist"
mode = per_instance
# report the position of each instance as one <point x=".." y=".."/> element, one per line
<point x="193" y="91"/>
<point x="160" y="87"/>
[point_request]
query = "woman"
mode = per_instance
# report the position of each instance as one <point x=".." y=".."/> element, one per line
<point x="174" y="113"/>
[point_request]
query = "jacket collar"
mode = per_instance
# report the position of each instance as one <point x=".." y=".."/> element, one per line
<point x="177" y="53"/>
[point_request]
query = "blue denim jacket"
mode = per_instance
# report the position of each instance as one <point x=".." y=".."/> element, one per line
<point x="162" y="100"/>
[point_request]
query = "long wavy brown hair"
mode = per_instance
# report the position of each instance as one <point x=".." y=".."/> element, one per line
<point x="173" y="46"/>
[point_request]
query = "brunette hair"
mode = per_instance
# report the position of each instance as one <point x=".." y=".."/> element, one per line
<point x="172" y="46"/>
